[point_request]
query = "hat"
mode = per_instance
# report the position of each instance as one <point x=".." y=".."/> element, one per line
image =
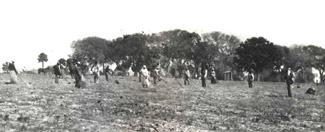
<point x="144" y="66"/>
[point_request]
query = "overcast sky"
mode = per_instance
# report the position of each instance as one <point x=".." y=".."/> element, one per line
<point x="29" y="27"/>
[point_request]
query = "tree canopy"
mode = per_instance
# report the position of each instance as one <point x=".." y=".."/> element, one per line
<point x="42" y="58"/>
<point x="178" y="49"/>
<point x="256" y="54"/>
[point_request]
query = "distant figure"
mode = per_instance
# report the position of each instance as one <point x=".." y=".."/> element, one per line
<point x="144" y="73"/>
<point x="107" y="72"/>
<point x="13" y="73"/>
<point x="24" y="69"/>
<point x="57" y="72"/>
<point x="250" y="79"/>
<point x="70" y="65"/>
<point x="95" y="70"/>
<point x="289" y="80"/>
<point x="203" y="74"/>
<point x="213" y="77"/>
<point x="156" y="76"/>
<point x="62" y="67"/>
<point x="75" y="72"/>
<point x="187" y="76"/>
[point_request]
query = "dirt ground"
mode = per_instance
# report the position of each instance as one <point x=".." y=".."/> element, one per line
<point x="126" y="106"/>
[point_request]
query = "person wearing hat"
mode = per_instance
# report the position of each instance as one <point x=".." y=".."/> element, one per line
<point x="13" y="73"/>
<point x="144" y="73"/>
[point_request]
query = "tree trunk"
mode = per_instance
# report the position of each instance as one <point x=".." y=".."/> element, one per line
<point x="42" y="64"/>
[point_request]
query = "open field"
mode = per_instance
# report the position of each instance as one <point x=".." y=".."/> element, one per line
<point x="107" y="107"/>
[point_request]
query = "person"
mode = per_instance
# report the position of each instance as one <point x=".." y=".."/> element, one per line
<point x="250" y="79"/>
<point x="107" y="72"/>
<point x="62" y="67"/>
<point x="13" y="73"/>
<point x="75" y="71"/>
<point x="203" y="74"/>
<point x="187" y="76"/>
<point x="289" y="81"/>
<point x="57" y="72"/>
<point x="144" y="73"/>
<point x="213" y="77"/>
<point x="156" y="75"/>
<point x="95" y="70"/>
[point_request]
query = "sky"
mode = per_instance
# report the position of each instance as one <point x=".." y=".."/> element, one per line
<point x="28" y="28"/>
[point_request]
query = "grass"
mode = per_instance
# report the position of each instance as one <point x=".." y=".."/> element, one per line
<point x="107" y="106"/>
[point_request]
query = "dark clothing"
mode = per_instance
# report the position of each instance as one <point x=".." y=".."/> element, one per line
<point x="107" y="70"/>
<point x="203" y="75"/>
<point x="213" y="77"/>
<point x="289" y="81"/>
<point x="187" y="77"/>
<point x="186" y="80"/>
<point x="250" y="84"/>
<point x="12" y="67"/>
<point x="76" y="74"/>
<point x="57" y="71"/>
<point x="250" y="80"/>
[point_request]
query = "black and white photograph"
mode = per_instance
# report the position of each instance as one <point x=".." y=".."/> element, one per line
<point x="162" y="66"/>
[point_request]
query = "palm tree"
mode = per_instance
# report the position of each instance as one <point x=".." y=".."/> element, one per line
<point x="41" y="58"/>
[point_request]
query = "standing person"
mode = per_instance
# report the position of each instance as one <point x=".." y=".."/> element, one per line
<point x="213" y="77"/>
<point x="13" y="73"/>
<point x="203" y="74"/>
<point x="250" y="79"/>
<point x="156" y="76"/>
<point x="62" y="67"/>
<point x="95" y="70"/>
<point x="57" y="72"/>
<point x="187" y="76"/>
<point x="289" y="80"/>
<point x="75" y="72"/>
<point x="144" y="73"/>
<point x="107" y="72"/>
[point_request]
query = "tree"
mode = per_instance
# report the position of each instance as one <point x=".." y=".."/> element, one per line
<point x="42" y="58"/>
<point x="62" y="61"/>
<point x="225" y="46"/>
<point x="204" y="53"/>
<point x="90" y="49"/>
<point x="256" y="54"/>
<point x="5" y="67"/>
<point x="318" y="58"/>
<point x="178" y="46"/>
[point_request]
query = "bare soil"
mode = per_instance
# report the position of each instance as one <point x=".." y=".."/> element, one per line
<point x="167" y="106"/>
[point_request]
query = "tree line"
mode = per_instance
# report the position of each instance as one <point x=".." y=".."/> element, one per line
<point x="176" y="49"/>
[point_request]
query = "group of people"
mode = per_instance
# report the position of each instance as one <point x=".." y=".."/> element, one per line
<point x="145" y="74"/>
<point x="76" y="73"/>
